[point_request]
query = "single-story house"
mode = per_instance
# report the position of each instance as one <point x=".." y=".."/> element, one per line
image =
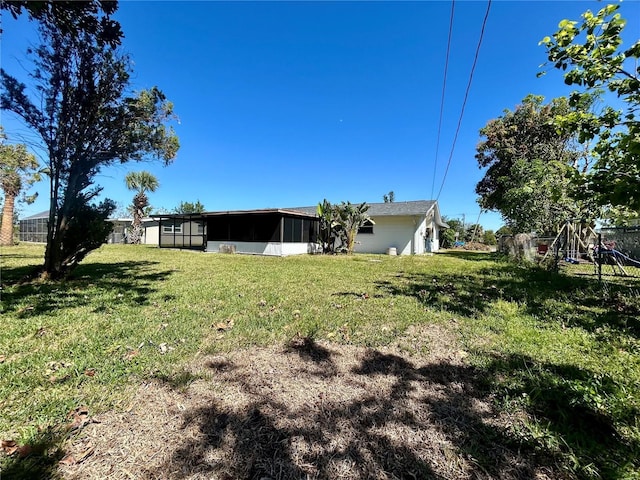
<point x="408" y="227"/>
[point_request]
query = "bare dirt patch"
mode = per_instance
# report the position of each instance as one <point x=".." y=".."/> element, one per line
<point x="311" y="410"/>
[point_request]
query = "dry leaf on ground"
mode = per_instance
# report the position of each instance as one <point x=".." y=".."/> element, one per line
<point x="9" y="446"/>
<point x="79" y="418"/>
<point x="224" y="326"/>
<point x="131" y="353"/>
<point x="68" y="460"/>
<point x="71" y="459"/>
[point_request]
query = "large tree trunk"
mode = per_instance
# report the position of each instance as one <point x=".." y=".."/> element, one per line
<point x="6" y="232"/>
<point x="53" y="254"/>
<point x="52" y="261"/>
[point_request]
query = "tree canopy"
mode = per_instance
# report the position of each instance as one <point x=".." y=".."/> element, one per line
<point x="87" y="117"/>
<point x="72" y="17"/>
<point x="592" y="55"/>
<point x="530" y="167"/>
<point x="448" y="236"/>
<point x="189" y="207"/>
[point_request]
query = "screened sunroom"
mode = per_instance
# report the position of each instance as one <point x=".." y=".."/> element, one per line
<point x="260" y="232"/>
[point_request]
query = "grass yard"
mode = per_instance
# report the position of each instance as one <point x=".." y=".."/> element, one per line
<point x="458" y="365"/>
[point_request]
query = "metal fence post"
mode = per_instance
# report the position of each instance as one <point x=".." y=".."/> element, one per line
<point x="600" y="257"/>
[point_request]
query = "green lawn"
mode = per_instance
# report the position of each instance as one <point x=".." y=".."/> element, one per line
<point x="562" y="353"/>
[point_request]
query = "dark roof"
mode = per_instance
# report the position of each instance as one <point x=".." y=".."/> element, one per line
<point x="265" y="211"/>
<point x="412" y="208"/>
<point x="44" y="214"/>
<point x="416" y="207"/>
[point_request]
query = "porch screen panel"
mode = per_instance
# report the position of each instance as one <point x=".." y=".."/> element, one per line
<point x="297" y="229"/>
<point x="240" y="229"/>
<point x="266" y="228"/>
<point x="218" y="229"/>
<point x="288" y="229"/>
<point x="314" y="231"/>
<point x="293" y="229"/>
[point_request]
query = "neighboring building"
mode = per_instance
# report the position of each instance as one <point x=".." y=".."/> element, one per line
<point x="409" y="227"/>
<point x="263" y="232"/>
<point x="34" y="228"/>
<point x="120" y="228"/>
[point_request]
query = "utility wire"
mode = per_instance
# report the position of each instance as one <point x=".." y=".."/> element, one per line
<point x="466" y="95"/>
<point x="444" y="85"/>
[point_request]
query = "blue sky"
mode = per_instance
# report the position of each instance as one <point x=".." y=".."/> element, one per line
<point x="283" y="104"/>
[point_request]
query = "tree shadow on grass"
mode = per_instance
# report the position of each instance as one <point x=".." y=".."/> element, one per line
<point x="435" y="421"/>
<point x="551" y="297"/>
<point x="40" y="463"/>
<point x="471" y="255"/>
<point x="578" y="414"/>
<point x="130" y="282"/>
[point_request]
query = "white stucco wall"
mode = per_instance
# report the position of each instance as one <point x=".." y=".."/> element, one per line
<point x="405" y="233"/>
<point x="265" y="248"/>
<point x="397" y="232"/>
<point x="150" y="236"/>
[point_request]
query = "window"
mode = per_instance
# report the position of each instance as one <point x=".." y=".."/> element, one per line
<point x="171" y="228"/>
<point x="366" y="228"/>
<point x="200" y="228"/>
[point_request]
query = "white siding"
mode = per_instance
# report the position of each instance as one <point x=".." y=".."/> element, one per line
<point x="151" y="232"/>
<point x="265" y="248"/>
<point x="404" y="233"/>
<point x="397" y="232"/>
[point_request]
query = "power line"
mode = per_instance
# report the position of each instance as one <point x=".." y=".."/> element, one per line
<point x="466" y="95"/>
<point x="444" y="84"/>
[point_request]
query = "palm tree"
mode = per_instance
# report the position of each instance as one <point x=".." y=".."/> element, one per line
<point x="141" y="182"/>
<point x="18" y="171"/>
<point x="328" y="223"/>
<point x="350" y="218"/>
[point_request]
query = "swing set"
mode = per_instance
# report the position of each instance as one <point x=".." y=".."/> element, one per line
<point x="574" y="243"/>
<point x="577" y="242"/>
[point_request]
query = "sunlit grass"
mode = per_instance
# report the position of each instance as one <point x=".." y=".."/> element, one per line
<point x="559" y="349"/>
